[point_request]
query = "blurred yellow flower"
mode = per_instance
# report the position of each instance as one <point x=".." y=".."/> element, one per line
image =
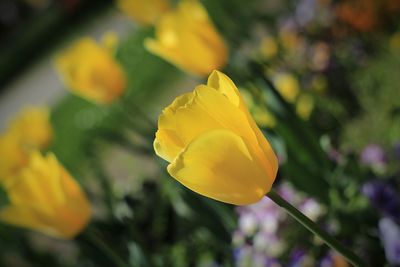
<point x="33" y="127"/>
<point x="261" y="115"/>
<point x="214" y="146"/>
<point x="319" y="84"/>
<point x="91" y="71"/>
<point x="290" y="40"/>
<point x="268" y="47"/>
<point x="287" y="85"/>
<point x="12" y="156"/>
<point x="144" y="11"/>
<point x="187" y="38"/>
<point x="45" y="198"/>
<point x="304" y="106"/>
<point x="29" y="130"/>
<point x="109" y="41"/>
<point x="394" y="42"/>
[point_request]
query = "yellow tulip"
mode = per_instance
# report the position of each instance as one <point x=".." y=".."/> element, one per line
<point x="33" y="127"/>
<point x="91" y="71"/>
<point x="45" y="198"/>
<point x="187" y="38"/>
<point x="12" y="156"/>
<point x="29" y="130"/>
<point x="214" y="146"/>
<point x="269" y="47"/>
<point x="144" y="11"/>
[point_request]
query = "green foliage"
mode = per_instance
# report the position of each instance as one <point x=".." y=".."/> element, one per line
<point x="377" y="89"/>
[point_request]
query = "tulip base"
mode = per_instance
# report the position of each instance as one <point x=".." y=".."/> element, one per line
<point x="315" y="229"/>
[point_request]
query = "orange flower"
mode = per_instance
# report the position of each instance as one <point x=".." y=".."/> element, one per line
<point x="360" y="14"/>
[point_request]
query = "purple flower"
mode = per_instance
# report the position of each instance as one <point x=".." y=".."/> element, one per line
<point x="305" y="11"/>
<point x="297" y="258"/>
<point x="242" y="254"/>
<point x="326" y="261"/>
<point x="373" y="155"/>
<point x="390" y="236"/>
<point x="272" y="263"/>
<point x="384" y="197"/>
<point x="257" y="240"/>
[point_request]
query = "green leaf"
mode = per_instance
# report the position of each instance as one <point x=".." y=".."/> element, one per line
<point x="136" y="255"/>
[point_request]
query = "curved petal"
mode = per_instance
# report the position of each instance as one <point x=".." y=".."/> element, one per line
<point x="29" y="218"/>
<point x="221" y="165"/>
<point x="145" y="12"/>
<point x="238" y="121"/>
<point x="75" y="214"/>
<point x="44" y="197"/>
<point x="167" y="143"/>
<point x="207" y="55"/>
<point x="269" y="154"/>
<point x="35" y="185"/>
<point x="187" y="29"/>
<point x="191" y="115"/>
<point x="222" y="110"/>
<point x="225" y="86"/>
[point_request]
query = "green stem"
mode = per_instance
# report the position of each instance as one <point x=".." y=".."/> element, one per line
<point x="100" y="173"/>
<point x="104" y="249"/>
<point x="315" y="229"/>
<point x="134" y="112"/>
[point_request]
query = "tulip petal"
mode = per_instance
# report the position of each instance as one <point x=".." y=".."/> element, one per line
<point x="91" y="71"/>
<point x="220" y="165"/>
<point x="167" y="143"/>
<point x="193" y="114"/>
<point x="145" y="12"/>
<point x="27" y="216"/>
<point x="269" y="154"/>
<point x="44" y="197"/>
<point x="34" y="186"/>
<point x="187" y="29"/>
<point x="221" y="110"/>
<point x="225" y="86"/>
<point x="210" y="50"/>
<point x="238" y="121"/>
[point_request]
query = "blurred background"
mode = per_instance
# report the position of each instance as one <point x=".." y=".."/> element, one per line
<point x="320" y="77"/>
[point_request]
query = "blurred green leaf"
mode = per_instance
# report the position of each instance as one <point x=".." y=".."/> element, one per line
<point x="136" y="256"/>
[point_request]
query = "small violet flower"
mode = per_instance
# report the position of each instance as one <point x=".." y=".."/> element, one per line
<point x="384" y="197"/>
<point x="373" y="155"/>
<point x="390" y="236"/>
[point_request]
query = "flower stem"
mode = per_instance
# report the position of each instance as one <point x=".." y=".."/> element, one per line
<point x="104" y="249"/>
<point x="315" y="229"/>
